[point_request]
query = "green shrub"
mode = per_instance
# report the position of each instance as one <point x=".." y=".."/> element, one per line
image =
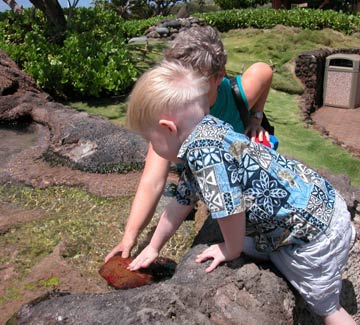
<point x="92" y="58"/>
<point x="134" y="28"/>
<point x="237" y="4"/>
<point x="268" y="18"/>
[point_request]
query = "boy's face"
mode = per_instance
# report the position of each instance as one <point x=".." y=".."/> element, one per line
<point x="214" y="83"/>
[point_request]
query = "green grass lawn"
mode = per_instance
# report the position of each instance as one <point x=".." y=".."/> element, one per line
<point x="279" y="48"/>
<point x="303" y="143"/>
<point x="113" y="109"/>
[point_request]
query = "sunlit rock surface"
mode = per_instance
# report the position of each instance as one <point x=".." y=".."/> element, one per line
<point x="75" y="139"/>
<point x="230" y="295"/>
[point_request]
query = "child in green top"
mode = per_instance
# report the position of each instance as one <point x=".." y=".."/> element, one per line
<point x="201" y="48"/>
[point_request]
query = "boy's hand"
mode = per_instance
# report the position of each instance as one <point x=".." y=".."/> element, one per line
<point x="256" y="130"/>
<point x="124" y="247"/>
<point x="217" y="252"/>
<point x="233" y="230"/>
<point x="144" y="259"/>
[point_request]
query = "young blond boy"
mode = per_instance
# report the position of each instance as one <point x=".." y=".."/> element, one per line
<point x="200" y="47"/>
<point x="285" y="210"/>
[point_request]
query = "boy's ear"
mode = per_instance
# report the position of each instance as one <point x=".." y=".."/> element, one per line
<point x="169" y="125"/>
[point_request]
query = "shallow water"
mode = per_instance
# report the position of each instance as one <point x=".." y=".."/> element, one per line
<point x="66" y="213"/>
<point x="14" y="139"/>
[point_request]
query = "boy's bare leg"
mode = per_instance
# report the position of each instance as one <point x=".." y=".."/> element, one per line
<point x="340" y="317"/>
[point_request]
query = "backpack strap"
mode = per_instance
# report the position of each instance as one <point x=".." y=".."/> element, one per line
<point x="244" y="113"/>
<point x="240" y="104"/>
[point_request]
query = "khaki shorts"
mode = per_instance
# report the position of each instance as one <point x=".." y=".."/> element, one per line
<point x="315" y="269"/>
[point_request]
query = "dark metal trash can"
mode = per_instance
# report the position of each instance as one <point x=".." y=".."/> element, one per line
<point x="341" y="80"/>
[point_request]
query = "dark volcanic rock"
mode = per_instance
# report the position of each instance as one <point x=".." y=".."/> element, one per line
<point x="76" y="139"/>
<point x="229" y="295"/>
<point x="239" y="292"/>
<point x="12" y="79"/>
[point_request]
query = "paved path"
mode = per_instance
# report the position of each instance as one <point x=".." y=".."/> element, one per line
<point x="342" y="125"/>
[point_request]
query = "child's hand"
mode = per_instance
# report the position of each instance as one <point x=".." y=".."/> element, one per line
<point x="233" y="231"/>
<point x="217" y="252"/>
<point x="255" y="130"/>
<point x="144" y="259"/>
<point x="124" y="247"/>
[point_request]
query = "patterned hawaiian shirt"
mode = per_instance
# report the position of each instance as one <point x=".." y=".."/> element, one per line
<point x="285" y="202"/>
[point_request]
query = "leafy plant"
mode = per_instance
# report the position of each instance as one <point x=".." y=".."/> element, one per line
<point x="94" y="58"/>
<point x="134" y="28"/>
<point x="237" y="4"/>
<point x="268" y="18"/>
<point x="92" y="61"/>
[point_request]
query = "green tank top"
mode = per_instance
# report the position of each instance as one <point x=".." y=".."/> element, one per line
<point x="225" y="106"/>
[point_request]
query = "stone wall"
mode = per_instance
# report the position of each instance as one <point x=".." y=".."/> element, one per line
<point x="168" y="29"/>
<point x="310" y="69"/>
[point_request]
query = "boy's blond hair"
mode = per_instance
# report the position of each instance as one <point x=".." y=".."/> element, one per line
<point x="164" y="91"/>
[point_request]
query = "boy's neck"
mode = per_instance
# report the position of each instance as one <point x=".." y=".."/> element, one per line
<point x="187" y="125"/>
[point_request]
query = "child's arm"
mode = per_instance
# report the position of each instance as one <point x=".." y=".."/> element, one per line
<point x="146" y="199"/>
<point x="170" y="220"/>
<point x="256" y="82"/>
<point x="233" y="231"/>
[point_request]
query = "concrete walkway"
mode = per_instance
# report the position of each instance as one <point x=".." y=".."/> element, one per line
<point x="342" y="125"/>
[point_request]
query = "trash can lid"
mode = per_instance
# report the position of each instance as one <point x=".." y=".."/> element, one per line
<point x="353" y="57"/>
<point x="344" y="60"/>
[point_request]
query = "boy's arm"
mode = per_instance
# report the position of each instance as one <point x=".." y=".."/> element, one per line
<point x="170" y="220"/>
<point x="147" y="196"/>
<point x="256" y="82"/>
<point x="233" y="231"/>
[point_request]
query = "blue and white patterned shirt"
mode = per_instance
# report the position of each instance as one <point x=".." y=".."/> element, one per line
<point x="285" y="202"/>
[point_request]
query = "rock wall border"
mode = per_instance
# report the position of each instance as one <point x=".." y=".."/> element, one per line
<point x="310" y="69"/>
